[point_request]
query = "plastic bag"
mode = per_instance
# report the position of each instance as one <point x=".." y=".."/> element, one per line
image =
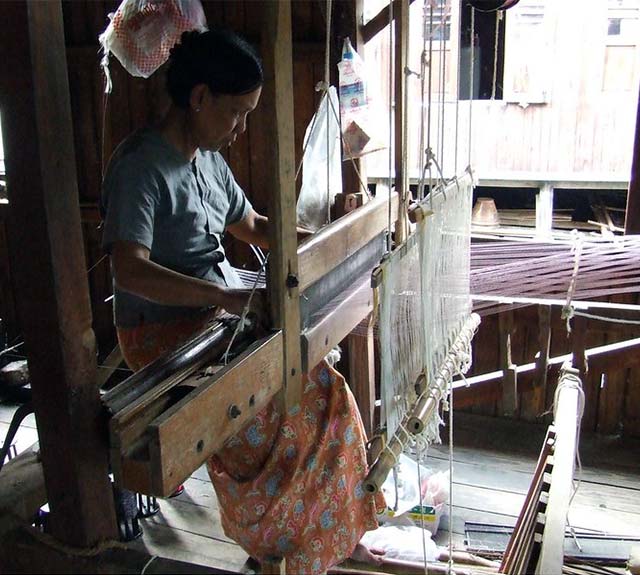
<point x="402" y="542"/>
<point x="359" y="135"/>
<point x="405" y="509"/>
<point x="315" y="200"/>
<point x="142" y="32"/>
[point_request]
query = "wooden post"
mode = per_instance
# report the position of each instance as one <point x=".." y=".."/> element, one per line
<point x="537" y="397"/>
<point x="566" y="421"/>
<point x="49" y="271"/>
<point x="283" y="259"/>
<point x="632" y="221"/>
<point x="544" y="210"/>
<point x="400" y="136"/>
<point x="509" y="377"/>
<point x="362" y="371"/>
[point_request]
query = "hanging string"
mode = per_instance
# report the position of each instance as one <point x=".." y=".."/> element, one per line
<point x="423" y="69"/>
<point x="495" y="54"/>
<point x="471" y="74"/>
<point x="428" y="161"/>
<point x="391" y="67"/>
<point x="327" y="80"/>
<point x="419" y="449"/>
<point x="443" y="68"/>
<point x="567" y="310"/>
<point x="457" y="95"/>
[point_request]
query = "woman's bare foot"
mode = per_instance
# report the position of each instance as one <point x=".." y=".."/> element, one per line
<point x="365" y="555"/>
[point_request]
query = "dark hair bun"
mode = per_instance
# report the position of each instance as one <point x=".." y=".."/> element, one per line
<point x="218" y="58"/>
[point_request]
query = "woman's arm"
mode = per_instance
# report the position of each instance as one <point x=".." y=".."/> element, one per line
<point x="134" y="272"/>
<point x="254" y="229"/>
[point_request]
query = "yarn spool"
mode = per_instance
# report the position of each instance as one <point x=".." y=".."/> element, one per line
<point x="492" y="5"/>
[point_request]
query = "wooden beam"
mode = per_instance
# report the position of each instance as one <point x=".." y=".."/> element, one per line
<point x="380" y="21"/>
<point x="319" y="339"/>
<point x="48" y="268"/>
<point x="613" y="356"/>
<point x="334" y="243"/>
<point x="544" y="210"/>
<point x="283" y="260"/>
<point x="537" y="400"/>
<point x="509" y="380"/>
<point x="632" y="221"/>
<point x="182" y="436"/>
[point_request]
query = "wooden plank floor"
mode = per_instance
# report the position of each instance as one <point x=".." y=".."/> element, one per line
<point x="493" y="461"/>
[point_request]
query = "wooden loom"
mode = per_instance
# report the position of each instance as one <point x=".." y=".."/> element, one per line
<point x="170" y="417"/>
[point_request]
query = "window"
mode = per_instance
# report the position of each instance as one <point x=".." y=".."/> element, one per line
<point x="622" y="17"/>
<point x="441" y="22"/>
<point x="526" y="69"/>
<point x="621" y="55"/>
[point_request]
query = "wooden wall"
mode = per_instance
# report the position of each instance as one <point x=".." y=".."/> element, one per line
<point x="612" y="393"/>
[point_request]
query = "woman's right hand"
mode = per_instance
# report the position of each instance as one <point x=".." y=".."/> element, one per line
<point x="235" y="301"/>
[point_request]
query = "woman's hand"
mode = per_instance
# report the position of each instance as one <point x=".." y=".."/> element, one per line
<point x="235" y="301"/>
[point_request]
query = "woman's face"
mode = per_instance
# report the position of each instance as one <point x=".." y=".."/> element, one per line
<point x="222" y="117"/>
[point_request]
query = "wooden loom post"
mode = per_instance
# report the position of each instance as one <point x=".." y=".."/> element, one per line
<point x="360" y="344"/>
<point x="51" y="282"/>
<point x="542" y="361"/>
<point x="509" y="378"/>
<point x="283" y="259"/>
<point x="566" y="423"/>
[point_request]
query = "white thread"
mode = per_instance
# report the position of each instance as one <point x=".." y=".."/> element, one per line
<point x="471" y="71"/>
<point x="604" y="318"/>
<point x="147" y="564"/>
<point x="241" y="322"/>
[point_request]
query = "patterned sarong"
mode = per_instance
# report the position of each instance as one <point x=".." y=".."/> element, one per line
<point x="288" y="486"/>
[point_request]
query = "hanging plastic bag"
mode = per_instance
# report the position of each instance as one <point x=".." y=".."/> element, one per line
<point x="142" y="32"/>
<point x="316" y="195"/>
<point x="359" y="134"/>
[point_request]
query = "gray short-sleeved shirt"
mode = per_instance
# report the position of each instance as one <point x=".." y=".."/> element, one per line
<point x="177" y="209"/>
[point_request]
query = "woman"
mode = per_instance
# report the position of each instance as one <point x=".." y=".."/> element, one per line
<point x="289" y="485"/>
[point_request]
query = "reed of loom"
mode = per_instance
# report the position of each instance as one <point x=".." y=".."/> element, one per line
<point x="415" y="420"/>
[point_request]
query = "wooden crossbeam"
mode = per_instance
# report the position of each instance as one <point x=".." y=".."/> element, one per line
<point x="334" y="243"/>
<point x="181" y="437"/>
<point x="380" y="21"/>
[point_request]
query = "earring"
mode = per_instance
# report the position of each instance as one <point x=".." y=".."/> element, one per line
<point x="197" y="109"/>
